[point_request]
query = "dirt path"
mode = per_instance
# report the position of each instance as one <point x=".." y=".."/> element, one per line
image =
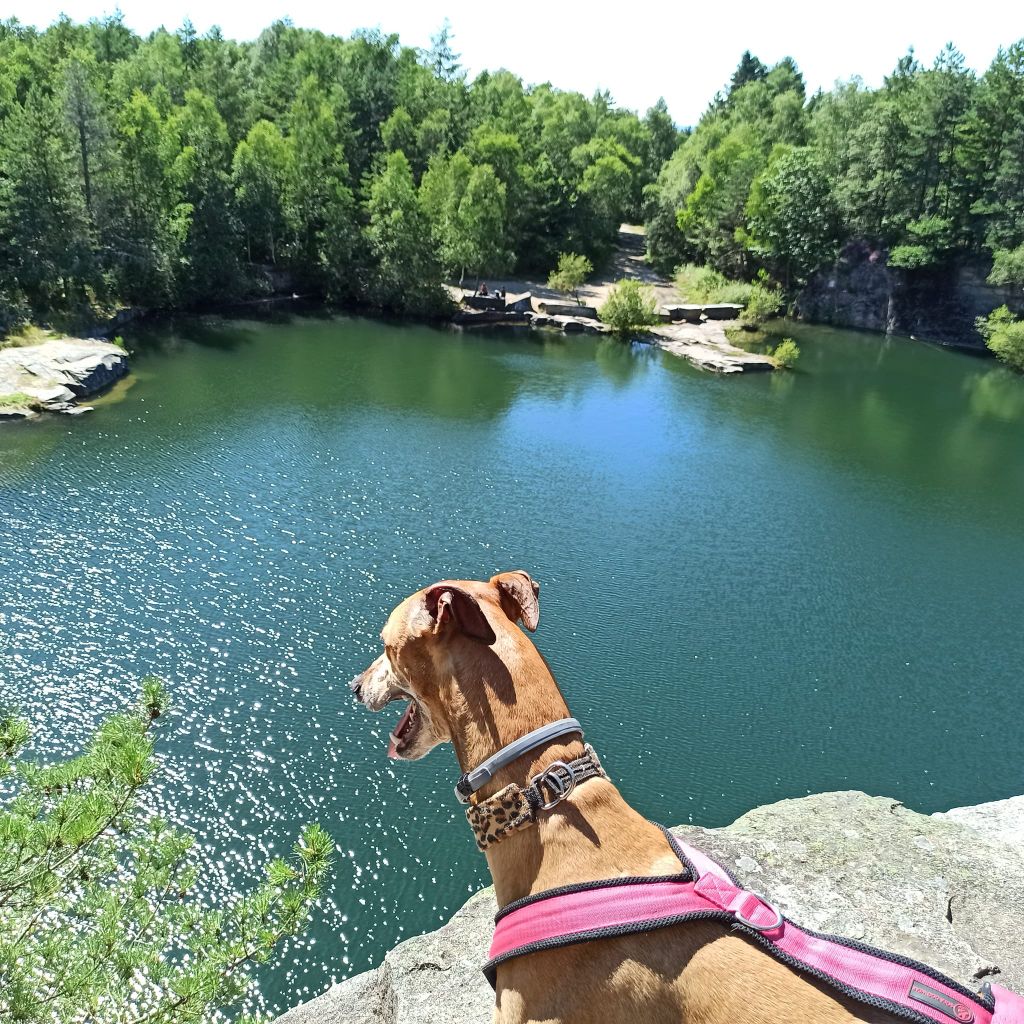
<point x="629" y="261"/>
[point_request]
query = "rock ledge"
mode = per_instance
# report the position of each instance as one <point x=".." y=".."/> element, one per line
<point x="54" y="374"/>
<point x="947" y="889"/>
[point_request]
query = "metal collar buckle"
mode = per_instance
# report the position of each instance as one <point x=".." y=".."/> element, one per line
<point x="560" y="780"/>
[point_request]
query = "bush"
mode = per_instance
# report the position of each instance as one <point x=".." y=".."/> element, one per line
<point x="1004" y="335"/>
<point x="762" y="304"/>
<point x="912" y="257"/>
<point x="705" y="284"/>
<point x="786" y="353"/>
<point x="630" y="307"/>
<point x="1008" y="267"/>
<point x="1008" y="345"/>
<point x="95" y="919"/>
<point x="933" y="240"/>
<point x="570" y="274"/>
<point x="698" y="284"/>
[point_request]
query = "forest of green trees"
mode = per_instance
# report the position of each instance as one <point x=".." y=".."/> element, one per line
<point x="172" y="171"/>
<point x="929" y="167"/>
<point x="180" y="170"/>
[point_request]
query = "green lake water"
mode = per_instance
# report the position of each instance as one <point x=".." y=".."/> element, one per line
<point x="752" y="588"/>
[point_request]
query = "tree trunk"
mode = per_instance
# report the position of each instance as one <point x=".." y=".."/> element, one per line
<point x="84" y="145"/>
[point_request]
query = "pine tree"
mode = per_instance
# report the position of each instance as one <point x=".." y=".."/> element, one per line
<point x="96" y="921"/>
<point x="42" y="213"/>
<point x="441" y="58"/>
<point x="750" y="69"/>
<point x="997" y="150"/>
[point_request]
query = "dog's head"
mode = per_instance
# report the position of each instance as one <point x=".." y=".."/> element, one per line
<point x="431" y="633"/>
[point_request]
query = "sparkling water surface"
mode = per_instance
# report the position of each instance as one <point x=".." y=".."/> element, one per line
<point x="752" y="588"/>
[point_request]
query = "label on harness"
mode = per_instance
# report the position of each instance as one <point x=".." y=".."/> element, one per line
<point x="952" y="1008"/>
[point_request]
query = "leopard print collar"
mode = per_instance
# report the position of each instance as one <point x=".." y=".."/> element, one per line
<point x="516" y="807"/>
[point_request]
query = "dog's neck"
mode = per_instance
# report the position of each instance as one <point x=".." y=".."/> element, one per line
<point x="591" y="835"/>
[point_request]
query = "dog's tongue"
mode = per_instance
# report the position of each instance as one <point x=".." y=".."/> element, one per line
<point x="398" y="730"/>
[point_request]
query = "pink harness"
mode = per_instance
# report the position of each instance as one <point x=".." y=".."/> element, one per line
<point x="707" y="891"/>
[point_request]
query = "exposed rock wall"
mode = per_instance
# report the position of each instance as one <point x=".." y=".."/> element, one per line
<point x="947" y="889"/>
<point x="863" y="292"/>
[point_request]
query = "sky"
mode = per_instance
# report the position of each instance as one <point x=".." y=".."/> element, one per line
<point x="682" y="51"/>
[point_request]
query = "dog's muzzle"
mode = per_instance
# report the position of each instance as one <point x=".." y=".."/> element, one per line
<point x="377" y="686"/>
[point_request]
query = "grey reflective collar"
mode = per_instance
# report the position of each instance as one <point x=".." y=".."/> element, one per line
<point x="481" y="775"/>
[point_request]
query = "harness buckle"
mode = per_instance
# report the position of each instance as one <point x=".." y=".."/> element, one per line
<point x="741" y="918"/>
<point x="559" y="778"/>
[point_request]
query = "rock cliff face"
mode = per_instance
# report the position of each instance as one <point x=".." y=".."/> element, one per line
<point x="947" y="889"/>
<point x="861" y="291"/>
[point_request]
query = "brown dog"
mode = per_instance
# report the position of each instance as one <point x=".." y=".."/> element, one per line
<point x="472" y="678"/>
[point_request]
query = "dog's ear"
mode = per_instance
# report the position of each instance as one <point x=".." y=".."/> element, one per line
<point x="449" y="604"/>
<point x="518" y="592"/>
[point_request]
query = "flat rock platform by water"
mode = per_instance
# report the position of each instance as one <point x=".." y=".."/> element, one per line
<point x="56" y="373"/>
<point x="947" y="889"/>
<point x="707" y="346"/>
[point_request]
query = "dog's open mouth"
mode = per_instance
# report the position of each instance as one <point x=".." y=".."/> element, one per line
<point x="404" y="734"/>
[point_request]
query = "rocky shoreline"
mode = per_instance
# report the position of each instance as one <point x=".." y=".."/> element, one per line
<point x="947" y="889"/>
<point x="54" y="375"/>
<point x="696" y="333"/>
<point x="702" y="340"/>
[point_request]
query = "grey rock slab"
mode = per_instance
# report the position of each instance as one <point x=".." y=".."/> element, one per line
<point x="707" y="346"/>
<point x="869" y="868"/>
<point x="488" y="317"/>
<point x="934" y="888"/>
<point x="1000" y="819"/>
<point x="430" y="979"/>
<point x="482" y="302"/>
<point x="689" y="313"/>
<point x="567" y="309"/>
<point x="79" y="366"/>
<point x="723" y="311"/>
<point x="521" y="303"/>
<point x="55" y="398"/>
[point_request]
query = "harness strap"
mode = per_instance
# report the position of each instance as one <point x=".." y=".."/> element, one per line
<point x="896" y="984"/>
